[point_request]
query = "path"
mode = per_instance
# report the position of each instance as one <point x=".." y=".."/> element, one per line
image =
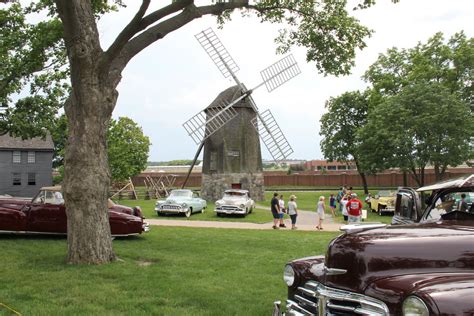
<point x="306" y="221"/>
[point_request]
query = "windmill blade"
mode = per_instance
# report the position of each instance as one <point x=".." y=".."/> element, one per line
<point x="218" y="53"/>
<point x="203" y="125"/>
<point x="272" y="136"/>
<point x="280" y="72"/>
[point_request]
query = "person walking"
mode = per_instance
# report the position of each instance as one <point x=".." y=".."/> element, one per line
<point x="281" y="204"/>
<point x="462" y="204"/>
<point x="321" y="210"/>
<point x="354" y="209"/>
<point x="275" y="207"/>
<point x="293" y="211"/>
<point x="332" y="205"/>
<point x="339" y="197"/>
<point x="344" y="208"/>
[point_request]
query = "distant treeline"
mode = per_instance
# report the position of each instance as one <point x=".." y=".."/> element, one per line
<point x="183" y="162"/>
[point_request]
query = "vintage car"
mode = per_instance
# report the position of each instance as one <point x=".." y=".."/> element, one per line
<point x="235" y="201"/>
<point x="423" y="268"/>
<point x="383" y="202"/>
<point x="181" y="202"/>
<point x="46" y="214"/>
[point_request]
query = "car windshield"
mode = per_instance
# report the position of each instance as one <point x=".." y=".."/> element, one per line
<point x="234" y="195"/>
<point x="176" y="193"/>
<point x="453" y="201"/>
<point x="385" y="193"/>
<point x="49" y="197"/>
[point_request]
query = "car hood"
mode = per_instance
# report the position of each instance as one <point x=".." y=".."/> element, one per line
<point x="386" y="199"/>
<point x="232" y="201"/>
<point x="177" y="200"/>
<point x="445" y="246"/>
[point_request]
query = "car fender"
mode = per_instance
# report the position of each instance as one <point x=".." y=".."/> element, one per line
<point x="442" y="293"/>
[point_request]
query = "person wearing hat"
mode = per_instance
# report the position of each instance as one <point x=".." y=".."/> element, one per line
<point x="292" y="211"/>
<point x="354" y="209"/>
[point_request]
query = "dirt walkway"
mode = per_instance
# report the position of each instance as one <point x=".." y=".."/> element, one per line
<point x="306" y="221"/>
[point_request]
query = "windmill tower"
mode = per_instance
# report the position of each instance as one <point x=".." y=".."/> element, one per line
<point x="229" y="128"/>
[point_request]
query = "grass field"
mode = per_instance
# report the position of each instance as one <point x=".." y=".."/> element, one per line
<point x="169" y="271"/>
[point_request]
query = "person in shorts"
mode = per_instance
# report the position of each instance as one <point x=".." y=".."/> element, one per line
<point x="332" y="205"/>
<point x="281" y="204"/>
<point x="292" y="211"/>
<point x="354" y="209"/>
<point x="275" y="207"/>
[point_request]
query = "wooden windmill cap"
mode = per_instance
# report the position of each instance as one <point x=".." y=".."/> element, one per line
<point x="227" y="96"/>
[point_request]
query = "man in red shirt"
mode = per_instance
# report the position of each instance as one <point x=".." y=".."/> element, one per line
<point x="354" y="209"/>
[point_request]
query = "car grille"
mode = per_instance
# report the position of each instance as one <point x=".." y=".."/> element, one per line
<point x="228" y="208"/>
<point x="316" y="299"/>
<point x="170" y="207"/>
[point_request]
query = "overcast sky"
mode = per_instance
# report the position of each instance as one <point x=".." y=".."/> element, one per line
<point x="174" y="79"/>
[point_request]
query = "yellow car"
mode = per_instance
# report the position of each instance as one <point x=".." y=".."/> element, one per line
<point x="384" y="201"/>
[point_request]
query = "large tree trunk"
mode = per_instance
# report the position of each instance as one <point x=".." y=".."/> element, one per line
<point x="88" y="110"/>
<point x="87" y="175"/>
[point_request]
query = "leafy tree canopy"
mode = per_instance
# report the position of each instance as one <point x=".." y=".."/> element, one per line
<point x="449" y="63"/>
<point x="128" y="149"/>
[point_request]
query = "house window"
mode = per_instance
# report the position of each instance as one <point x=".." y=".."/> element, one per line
<point x="16" y="178"/>
<point x="31" y="157"/>
<point x="16" y="156"/>
<point x="32" y="178"/>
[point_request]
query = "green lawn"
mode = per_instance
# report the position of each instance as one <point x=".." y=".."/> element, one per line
<point x="169" y="271"/>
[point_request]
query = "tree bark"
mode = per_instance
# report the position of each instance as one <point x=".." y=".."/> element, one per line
<point x="88" y="110"/>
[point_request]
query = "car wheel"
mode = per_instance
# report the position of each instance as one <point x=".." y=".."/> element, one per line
<point x="251" y="209"/>
<point x="218" y="214"/>
<point x="202" y="210"/>
<point x="159" y="213"/>
<point x="188" y="212"/>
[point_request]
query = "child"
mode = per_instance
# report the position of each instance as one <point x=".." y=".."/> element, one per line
<point x="320" y="211"/>
<point x="332" y="205"/>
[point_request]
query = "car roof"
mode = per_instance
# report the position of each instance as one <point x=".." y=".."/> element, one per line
<point x="463" y="182"/>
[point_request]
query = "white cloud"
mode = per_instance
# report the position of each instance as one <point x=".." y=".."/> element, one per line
<point x="174" y="79"/>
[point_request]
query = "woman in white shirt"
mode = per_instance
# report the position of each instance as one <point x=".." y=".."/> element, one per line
<point x="321" y="210"/>
<point x="292" y="211"/>
<point x="344" y="202"/>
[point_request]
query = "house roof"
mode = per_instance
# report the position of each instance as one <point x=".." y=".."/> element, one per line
<point x="8" y="142"/>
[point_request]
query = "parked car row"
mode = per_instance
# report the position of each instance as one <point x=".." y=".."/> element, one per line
<point x="188" y="202"/>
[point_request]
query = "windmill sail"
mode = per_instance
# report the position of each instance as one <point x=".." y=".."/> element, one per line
<point x="272" y="136"/>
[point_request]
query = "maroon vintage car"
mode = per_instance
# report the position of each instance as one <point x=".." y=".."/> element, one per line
<point x="422" y="268"/>
<point x="46" y="214"/>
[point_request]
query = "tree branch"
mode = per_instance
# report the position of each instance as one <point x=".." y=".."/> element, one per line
<point x="160" y="30"/>
<point x="139" y="23"/>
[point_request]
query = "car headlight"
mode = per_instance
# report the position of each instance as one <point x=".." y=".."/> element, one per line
<point x="184" y="205"/>
<point x="242" y="205"/>
<point x="289" y="275"/>
<point x="414" y="306"/>
<point x="218" y="203"/>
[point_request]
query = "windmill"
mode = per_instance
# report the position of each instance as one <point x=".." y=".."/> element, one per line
<point x="215" y="124"/>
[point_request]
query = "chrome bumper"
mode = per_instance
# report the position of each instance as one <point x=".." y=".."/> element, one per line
<point x="239" y="211"/>
<point x="171" y="211"/>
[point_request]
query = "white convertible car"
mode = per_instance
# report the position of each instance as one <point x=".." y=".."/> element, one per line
<point x="235" y="202"/>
